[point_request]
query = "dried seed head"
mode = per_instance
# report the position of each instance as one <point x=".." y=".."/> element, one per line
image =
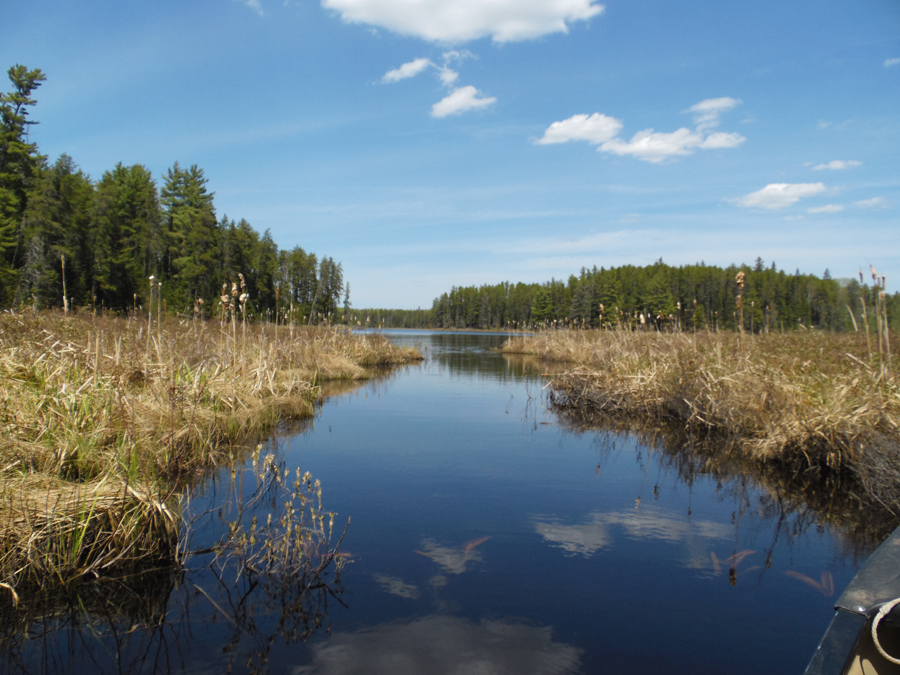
<point x="234" y="290"/>
<point x="874" y="274"/>
<point x="740" y="279"/>
<point x="241" y="277"/>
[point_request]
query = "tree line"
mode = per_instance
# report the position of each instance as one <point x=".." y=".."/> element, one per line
<point x="661" y="297"/>
<point x="67" y="240"/>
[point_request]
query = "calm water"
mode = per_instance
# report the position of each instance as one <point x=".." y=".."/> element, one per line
<point x="485" y="537"/>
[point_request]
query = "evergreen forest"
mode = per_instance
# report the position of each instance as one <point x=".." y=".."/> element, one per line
<point x="68" y="240"/>
<point x="660" y="297"/>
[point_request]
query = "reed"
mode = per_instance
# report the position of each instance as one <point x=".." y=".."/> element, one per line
<point x="809" y="397"/>
<point x="104" y="418"/>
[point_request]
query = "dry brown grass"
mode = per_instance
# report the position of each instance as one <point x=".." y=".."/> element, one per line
<point x="811" y="396"/>
<point x="101" y="422"/>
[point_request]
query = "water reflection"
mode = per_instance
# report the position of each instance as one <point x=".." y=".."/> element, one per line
<point x="798" y="500"/>
<point x="452" y="560"/>
<point x="444" y="645"/>
<point x="596" y="532"/>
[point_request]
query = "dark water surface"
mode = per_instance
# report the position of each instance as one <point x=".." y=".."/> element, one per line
<point x="488" y="537"/>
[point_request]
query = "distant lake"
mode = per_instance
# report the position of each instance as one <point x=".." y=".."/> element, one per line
<point x="487" y="535"/>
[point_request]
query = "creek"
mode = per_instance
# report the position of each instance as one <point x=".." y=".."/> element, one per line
<point x="487" y="534"/>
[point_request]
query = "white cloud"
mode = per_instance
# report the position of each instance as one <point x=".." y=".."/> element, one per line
<point x="459" y="101"/>
<point x="594" y="129"/>
<point x="649" y="145"/>
<point x="655" y="147"/>
<point x="780" y="195"/>
<point x="448" y="76"/>
<point x="837" y="165"/>
<point x="720" y="139"/>
<point x="891" y="62"/>
<point x="823" y="124"/>
<point x="456" y="21"/>
<point x="828" y="208"/>
<point x="874" y="202"/>
<point x="407" y="70"/>
<point x="708" y="112"/>
<point x="254" y="5"/>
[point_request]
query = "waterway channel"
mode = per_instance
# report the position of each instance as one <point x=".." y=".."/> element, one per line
<point x="487" y="535"/>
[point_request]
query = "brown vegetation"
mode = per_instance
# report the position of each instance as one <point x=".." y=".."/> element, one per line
<point x="809" y="399"/>
<point x="103" y="418"/>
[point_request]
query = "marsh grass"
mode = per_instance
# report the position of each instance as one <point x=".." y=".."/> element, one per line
<point x="806" y="399"/>
<point x="104" y="419"/>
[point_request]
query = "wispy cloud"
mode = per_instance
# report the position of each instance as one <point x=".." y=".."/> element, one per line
<point x="461" y="100"/>
<point x="828" y="208"/>
<point x="837" y="165"/>
<point x="780" y="195"/>
<point x="889" y="63"/>
<point x="708" y="113"/>
<point x="254" y="5"/>
<point x="406" y="71"/>
<point x="458" y="21"/>
<point x="873" y="203"/>
<point x="649" y="145"/>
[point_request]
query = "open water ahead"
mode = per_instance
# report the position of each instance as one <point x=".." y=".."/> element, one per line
<point x="487" y="536"/>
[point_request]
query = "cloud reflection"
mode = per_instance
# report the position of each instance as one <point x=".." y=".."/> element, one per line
<point x="444" y="645"/>
<point x="452" y="560"/>
<point x="597" y="533"/>
<point x="398" y="587"/>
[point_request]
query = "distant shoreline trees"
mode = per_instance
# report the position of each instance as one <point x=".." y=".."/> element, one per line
<point x="657" y="297"/>
<point x="103" y="240"/>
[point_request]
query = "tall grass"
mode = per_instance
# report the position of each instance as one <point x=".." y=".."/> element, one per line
<point x="104" y="418"/>
<point x="810" y="399"/>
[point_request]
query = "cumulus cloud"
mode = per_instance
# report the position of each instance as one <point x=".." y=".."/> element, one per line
<point x="874" y="202"/>
<point x="461" y="100"/>
<point x="780" y="195"/>
<point x="891" y="62"/>
<point x="837" y="165"/>
<point x="456" y="21"/>
<point x="707" y="113"/>
<point x="720" y="139"/>
<point x="655" y="147"/>
<point x="407" y="70"/>
<point x="594" y="129"/>
<point x="649" y="145"/>
<point x="828" y="208"/>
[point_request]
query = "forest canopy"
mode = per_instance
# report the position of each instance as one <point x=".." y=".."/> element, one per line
<point x="103" y="240"/>
<point x="691" y="297"/>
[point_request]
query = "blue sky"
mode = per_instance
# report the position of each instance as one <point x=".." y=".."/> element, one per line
<point x="432" y="143"/>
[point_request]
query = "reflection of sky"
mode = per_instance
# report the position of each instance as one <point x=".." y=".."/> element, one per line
<point x="599" y="530"/>
<point x="452" y="560"/>
<point x="398" y="587"/>
<point x="444" y="644"/>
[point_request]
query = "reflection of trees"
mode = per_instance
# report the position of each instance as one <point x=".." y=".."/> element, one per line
<point x="252" y="585"/>
<point x="795" y="499"/>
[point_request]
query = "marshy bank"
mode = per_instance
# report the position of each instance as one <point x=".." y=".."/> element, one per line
<point x="105" y="419"/>
<point x="807" y="401"/>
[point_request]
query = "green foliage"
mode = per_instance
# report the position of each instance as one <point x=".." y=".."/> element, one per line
<point x="692" y="296"/>
<point x="116" y="233"/>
